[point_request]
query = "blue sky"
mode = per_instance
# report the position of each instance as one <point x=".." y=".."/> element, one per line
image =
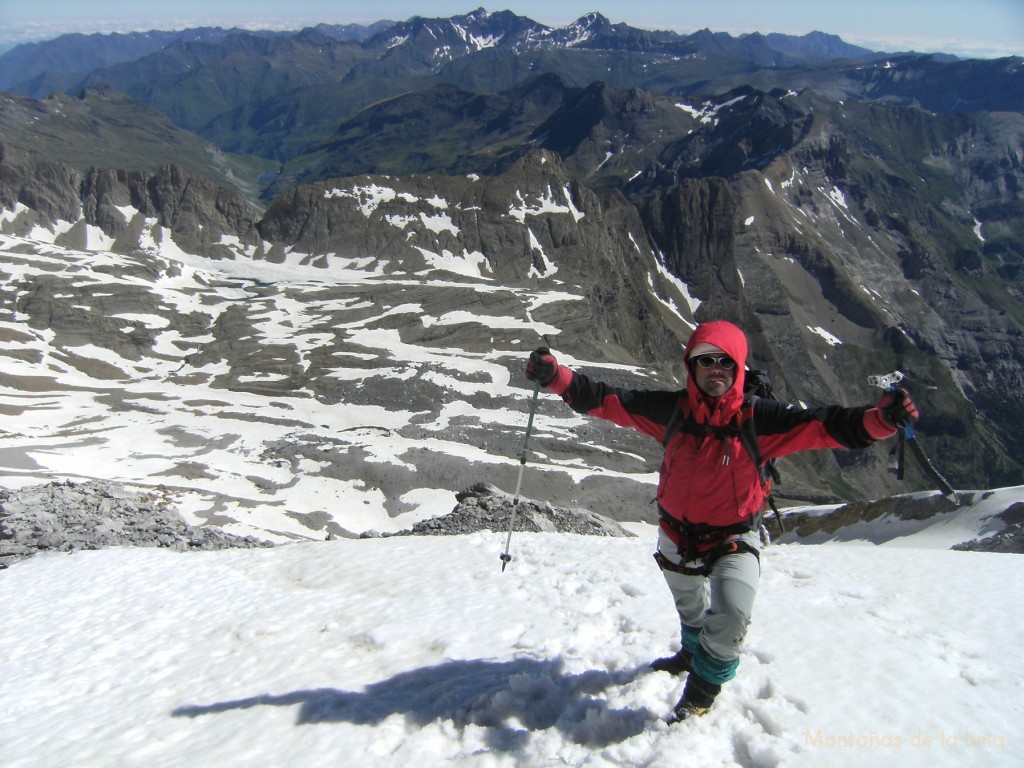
<point x="985" y="28"/>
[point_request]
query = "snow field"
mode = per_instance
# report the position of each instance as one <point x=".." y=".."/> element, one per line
<point x="421" y="649"/>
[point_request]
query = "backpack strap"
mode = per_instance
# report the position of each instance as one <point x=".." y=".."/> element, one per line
<point x="675" y="422"/>
<point x="748" y="436"/>
<point x="766" y="469"/>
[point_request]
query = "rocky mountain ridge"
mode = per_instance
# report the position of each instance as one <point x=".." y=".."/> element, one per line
<point x="500" y="241"/>
<point x="115" y="133"/>
<point x="405" y="267"/>
<point x="56" y="61"/>
<point x="277" y="96"/>
<point x="436" y="41"/>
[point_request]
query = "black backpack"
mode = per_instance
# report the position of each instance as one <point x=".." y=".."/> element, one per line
<point x="757" y="385"/>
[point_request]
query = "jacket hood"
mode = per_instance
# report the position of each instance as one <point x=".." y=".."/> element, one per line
<point x="731" y="340"/>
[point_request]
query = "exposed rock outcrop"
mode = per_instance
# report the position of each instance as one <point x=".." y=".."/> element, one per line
<point x="899" y="516"/>
<point x="50" y="189"/>
<point x="196" y="213"/>
<point x="66" y="517"/>
<point x="898" y="507"/>
<point x="1010" y="539"/>
<point x="484" y="507"/>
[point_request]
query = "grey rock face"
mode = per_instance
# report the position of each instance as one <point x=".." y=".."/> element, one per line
<point x="48" y="188"/>
<point x="65" y="517"/>
<point x="897" y="507"/>
<point x="903" y="514"/>
<point x="484" y="507"/>
<point x="193" y="210"/>
<point x="1010" y="539"/>
<point x="507" y="220"/>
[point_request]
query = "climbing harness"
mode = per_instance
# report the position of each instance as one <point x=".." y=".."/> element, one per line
<point x="706" y="544"/>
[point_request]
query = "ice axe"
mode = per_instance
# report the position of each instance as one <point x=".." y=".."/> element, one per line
<point x="888" y="382"/>
<point x="506" y="558"/>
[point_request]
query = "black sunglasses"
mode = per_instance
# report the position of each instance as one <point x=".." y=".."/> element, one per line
<point x="709" y="361"/>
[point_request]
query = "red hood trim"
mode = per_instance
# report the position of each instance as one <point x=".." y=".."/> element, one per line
<point x="731" y="340"/>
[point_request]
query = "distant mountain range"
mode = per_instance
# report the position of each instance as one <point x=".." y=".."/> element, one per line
<point x="853" y="210"/>
<point x="292" y="98"/>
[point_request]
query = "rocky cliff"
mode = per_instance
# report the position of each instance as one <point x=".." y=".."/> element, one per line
<point x="422" y="295"/>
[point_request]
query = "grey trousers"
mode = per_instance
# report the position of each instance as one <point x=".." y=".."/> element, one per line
<point x="718" y="607"/>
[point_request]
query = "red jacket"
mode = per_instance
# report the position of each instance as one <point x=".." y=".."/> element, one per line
<point x="696" y="482"/>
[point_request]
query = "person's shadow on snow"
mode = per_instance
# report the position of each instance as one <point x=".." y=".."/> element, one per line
<point x="512" y="698"/>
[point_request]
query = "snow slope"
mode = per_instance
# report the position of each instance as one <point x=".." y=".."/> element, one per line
<point x="420" y="651"/>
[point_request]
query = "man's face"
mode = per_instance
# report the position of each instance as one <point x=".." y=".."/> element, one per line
<point x="716" y="380"/>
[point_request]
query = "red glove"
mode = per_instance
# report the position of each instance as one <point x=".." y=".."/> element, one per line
<point x="542" y="366"/>
<point x="897" y="408"/>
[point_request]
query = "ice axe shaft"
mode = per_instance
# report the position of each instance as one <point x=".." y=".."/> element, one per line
<point x="929" y="468"/>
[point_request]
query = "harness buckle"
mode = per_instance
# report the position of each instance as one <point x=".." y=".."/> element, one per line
<point x="708" y="560"/>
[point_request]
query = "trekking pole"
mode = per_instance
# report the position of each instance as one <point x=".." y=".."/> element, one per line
<point x="907" y="437"/>
<point x="506" y="558"/>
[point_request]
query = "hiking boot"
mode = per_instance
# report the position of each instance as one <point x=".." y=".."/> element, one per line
<point x="698" y="696"/>
<point x="679" y="664"/>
